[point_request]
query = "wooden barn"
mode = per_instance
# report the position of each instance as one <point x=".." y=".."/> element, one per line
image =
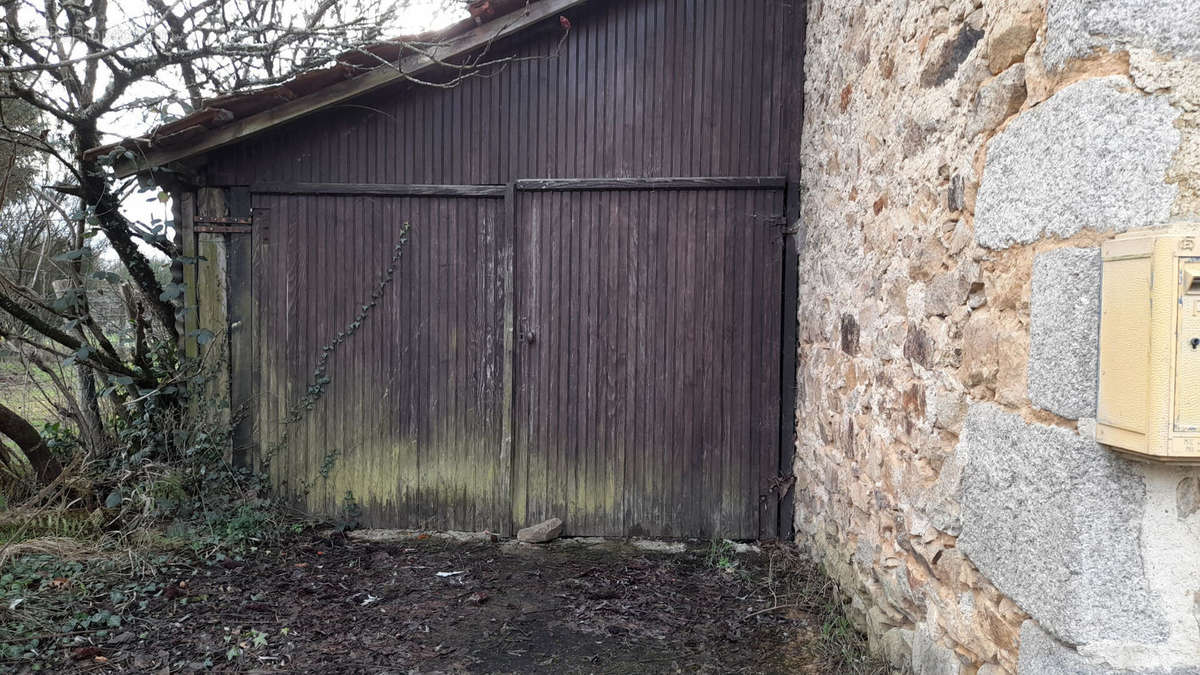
<point x="544" y="266"/>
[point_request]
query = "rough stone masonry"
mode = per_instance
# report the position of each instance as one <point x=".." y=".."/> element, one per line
<point x="963" y="161"/>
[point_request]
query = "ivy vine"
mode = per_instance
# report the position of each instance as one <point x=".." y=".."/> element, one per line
<point x="320" y="376"/>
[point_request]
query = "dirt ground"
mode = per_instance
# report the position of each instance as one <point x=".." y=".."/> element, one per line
<point x="332" y="605"/>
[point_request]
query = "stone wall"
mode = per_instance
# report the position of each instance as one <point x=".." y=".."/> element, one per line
<point x="962" y="162"/>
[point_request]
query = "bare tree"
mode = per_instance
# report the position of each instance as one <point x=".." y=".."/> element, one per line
<point x="81" y="65"/>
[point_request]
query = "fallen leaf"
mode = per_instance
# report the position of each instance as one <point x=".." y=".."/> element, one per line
<point x="101" y="659"/>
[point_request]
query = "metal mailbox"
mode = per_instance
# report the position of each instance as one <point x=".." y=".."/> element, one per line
<point x="1149" y="399"/>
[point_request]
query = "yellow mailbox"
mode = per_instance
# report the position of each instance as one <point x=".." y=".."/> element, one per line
<point x="1149" y="400"/>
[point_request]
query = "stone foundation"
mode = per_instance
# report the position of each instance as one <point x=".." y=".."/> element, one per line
<point x="962" y="163"/>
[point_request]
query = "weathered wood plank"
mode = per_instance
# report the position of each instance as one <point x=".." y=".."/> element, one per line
<point x="212" y="305"/>
<point x="381" y="189"/>
<point x="511" y="491"/>
<point x="716" y="182"/>
<point x="244" y="363"/>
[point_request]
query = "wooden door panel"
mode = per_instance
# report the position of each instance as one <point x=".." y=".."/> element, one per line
<point x="647" y="364"/>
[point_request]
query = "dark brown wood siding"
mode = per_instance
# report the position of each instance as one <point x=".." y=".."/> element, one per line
<point x="638" y="88"/>
<point x="648" y="376"/>
<point x="609" y="355"/>
<point x="411" y="417"/>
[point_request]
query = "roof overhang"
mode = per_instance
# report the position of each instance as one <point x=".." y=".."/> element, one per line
<point x="212" y="128"/>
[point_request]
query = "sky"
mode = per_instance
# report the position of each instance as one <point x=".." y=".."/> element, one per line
<point x="421" y="15"/>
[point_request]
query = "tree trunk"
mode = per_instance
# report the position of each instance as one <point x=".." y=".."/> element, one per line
<point x="15" y="427"/>
<point x="89" y="405"/>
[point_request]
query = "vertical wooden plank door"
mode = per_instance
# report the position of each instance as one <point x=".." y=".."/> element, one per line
<point x="409" y="422"/>
<point x="648" y="361"/>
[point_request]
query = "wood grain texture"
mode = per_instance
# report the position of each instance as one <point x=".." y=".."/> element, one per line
<point x="648" y="397"/>
<point x="588" y="321"/>
<point x="411" y="421"/>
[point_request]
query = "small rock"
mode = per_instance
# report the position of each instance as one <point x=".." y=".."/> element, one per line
<point x="956" y="197"/>
<point x="1010" y="38"/>
<point x="542" y="532"/>
<point x="996" y="101"/>
<point x="1187" y="497"/>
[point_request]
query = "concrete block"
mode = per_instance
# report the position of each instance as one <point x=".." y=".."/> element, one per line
<point x="1074" y="28"/>
<point x="1064" y="333"/>
<point x="1094" y="155"/>
<point x="1052" y="519"/>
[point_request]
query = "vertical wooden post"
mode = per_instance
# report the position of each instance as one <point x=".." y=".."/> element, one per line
<point x="512" y="483"/>
<point x="212" y="305"/>
<point x="795" y="17"/>
<point x="244" y="362"/>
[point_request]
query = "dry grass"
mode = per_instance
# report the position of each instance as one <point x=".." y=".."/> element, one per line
<point x="63" y="548"/>
<point x="827" y="642"/>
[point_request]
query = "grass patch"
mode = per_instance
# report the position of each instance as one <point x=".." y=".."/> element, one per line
<point x="30" y="393"/>
<point x="827" y="639"/>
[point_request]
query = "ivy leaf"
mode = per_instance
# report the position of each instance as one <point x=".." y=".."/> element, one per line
<point x="113" y="500"/>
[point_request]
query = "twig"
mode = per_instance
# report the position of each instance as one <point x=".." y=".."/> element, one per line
<point x="769" y="609"/>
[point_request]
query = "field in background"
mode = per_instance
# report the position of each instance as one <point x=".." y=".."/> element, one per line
<point x="31" y="393"/>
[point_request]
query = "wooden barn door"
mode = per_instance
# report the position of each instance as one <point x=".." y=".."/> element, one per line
<point x="648" y="342"/>
<point x="410" y="412"/>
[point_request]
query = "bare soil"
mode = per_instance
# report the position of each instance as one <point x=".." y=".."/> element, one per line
<point x="332" y="605"/>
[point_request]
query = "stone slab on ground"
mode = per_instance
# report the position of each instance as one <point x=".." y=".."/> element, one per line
<point x="1064" y="333"/>
<point x="1052" y="519"/>
<point x="547" y="530"/>
<point x="1094" y="155"/>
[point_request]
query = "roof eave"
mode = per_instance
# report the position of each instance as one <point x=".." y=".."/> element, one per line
<point x="498" y="29"/>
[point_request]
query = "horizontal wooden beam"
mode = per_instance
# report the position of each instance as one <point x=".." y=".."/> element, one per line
<point x="380" y="189"/>
<point x="478" y="37"/>
<point x="718" y="183"/>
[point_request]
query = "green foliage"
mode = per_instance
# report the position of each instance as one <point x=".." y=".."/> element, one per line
<point x="349" y="514"/>
<point x="721" y="555"/>
<point x="49" y="599"/>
